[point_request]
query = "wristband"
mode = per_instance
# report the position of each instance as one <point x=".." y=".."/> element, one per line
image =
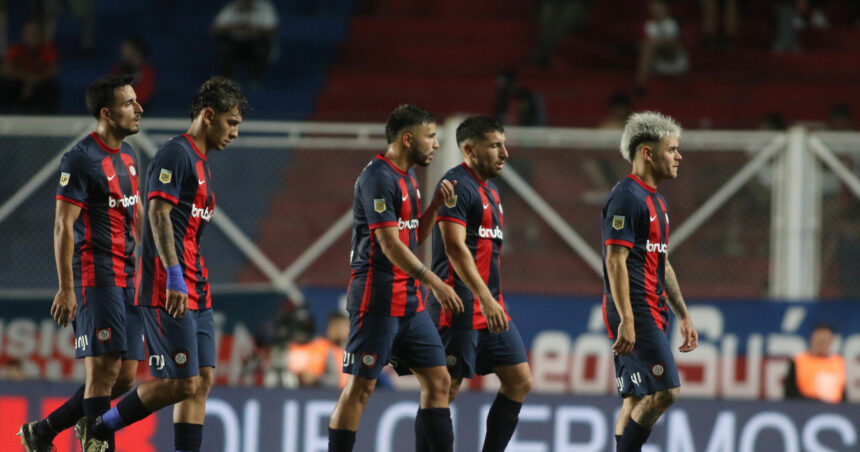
<point x="175" y="279"/>
<point x="420" y="273"/>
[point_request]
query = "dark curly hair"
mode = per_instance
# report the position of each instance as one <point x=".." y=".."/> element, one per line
<point x="220" y="93"/>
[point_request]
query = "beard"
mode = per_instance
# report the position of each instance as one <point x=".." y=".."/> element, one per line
<point x="419" y="158"/>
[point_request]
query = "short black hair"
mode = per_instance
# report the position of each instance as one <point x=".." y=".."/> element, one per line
<point x="405" y="116"/>
<point x="475" y="127"/>
<point x="220" y="93"/>
<point x="102" y="92"/>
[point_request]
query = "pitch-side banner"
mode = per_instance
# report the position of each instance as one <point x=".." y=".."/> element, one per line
<point x="743" y="351"/>
<point x="254" y="419"/>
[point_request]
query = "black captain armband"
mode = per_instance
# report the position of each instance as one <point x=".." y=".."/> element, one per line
<point x="420" y="272"/>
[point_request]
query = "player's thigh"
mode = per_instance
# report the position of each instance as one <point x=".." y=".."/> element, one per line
<point x="134" y="335"/>
<point x="172" y="343"/>
<point x="461" y="350"/>
<point x="100" y="321"/>
<point x="368" y="347"/>
<point x="502" y="349"/>
<point x="418" y="345"/>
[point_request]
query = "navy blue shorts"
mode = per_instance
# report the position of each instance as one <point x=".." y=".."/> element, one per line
<point x="649" y="368"/>
<point x="107" y="321"/>
<point x="178" y="348"/>
<point x="406" y="342"/>
<point x="478" y="351"/>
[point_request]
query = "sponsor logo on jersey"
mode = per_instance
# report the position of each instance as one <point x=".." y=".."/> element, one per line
<point x="368" y="359"/>
<point x="656" y="247"/>
<point x="495" y="233"/>
<point x="180" y="358"/>
<point x="64" y="179"/>
<point x="411" y="224"/>
<point x="203" y="213"/>
<point x="103" y="335"/>
<point x="165" y="176"/>
<point x="379" y="205"/>
<point x="451" y="202"/>
<point x="618" y="222"/>
<point x="125" y="201"/>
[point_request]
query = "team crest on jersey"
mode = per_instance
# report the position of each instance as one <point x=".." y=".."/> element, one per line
<point x="64" y="179"/>
<point x="180" y="358"/>
<point x="368" y="359"/>
<point x="618" y="222"/>
<point x="658" y="370"/>
<point x="379" y="205"/>
<point x="166" y="176"/>
<point x="452" y="202"/>
<point x="103" y="335"/>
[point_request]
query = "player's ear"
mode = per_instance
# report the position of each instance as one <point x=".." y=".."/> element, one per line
<point x="104" y="113"/>
<point x="208" y="115"/>
<point x="406" y="139"/>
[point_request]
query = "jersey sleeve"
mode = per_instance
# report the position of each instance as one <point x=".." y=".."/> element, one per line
<point x="167" y="171"/>
<point x="74" y="179"/>
<point x="455" y="210"/>
<point x="377" y="195"/>
<point x="619" y="223"/>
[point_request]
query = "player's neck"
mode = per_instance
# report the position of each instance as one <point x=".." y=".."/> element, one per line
<point x="647" y="176"/>
<point x="399" y="157"/>
<point x="475" y="172"/>
<point x="199" y="138"/>
<point x="111" y="138"/>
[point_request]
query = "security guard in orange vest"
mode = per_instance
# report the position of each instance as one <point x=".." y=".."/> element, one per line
<point x="816" y="374"/>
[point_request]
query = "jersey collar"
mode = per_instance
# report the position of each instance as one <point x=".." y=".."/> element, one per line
<point x="477" y="179"/>
<point x="643" y="184"/>
<point x="194" y="146"/>
<point x="103" y="145"/>
<point x="399" y="171"/>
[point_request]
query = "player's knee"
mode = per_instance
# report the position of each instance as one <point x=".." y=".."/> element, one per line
<point x="440" y="386"/>
<point x="524" y="385"/>
<point x="455" y="389"/>
<point x="360" y="390"/>
<point x="666" y="398"/>
<point x="185" y="388"/>
<point x="123" y="384"/>
<point x="207" y="380"/>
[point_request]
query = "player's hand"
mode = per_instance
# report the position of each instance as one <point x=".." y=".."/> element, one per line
<point x="444" y="193"/>
<point x="626" y="338"/>
<point x="447" y="297"/>
<point x="176" y="304"/>
<point x="64" y="308"/>
<point x="497" y="320"/>
<point x="690" y="335"/>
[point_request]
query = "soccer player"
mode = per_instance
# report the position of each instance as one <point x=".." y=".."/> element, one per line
<point x="97" y="223"/>
<point x="173" y="287"/>
<point x="638" y="280"/>
<point x="388" y="321"/>
<point x="466" y="243"/>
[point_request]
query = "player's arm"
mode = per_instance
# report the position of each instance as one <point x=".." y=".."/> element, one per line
<point x="619" y="285"/>
<point x="400" y="255"/>
<point x="138" y="223"/>
<point x="676" y="302"/>
<point x="454" y="238"/>
<point x="63" y="309"/>
<point x="176" y="303"/>
<point x="443" y="193"/>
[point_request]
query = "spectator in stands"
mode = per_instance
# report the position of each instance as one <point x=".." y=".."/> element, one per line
<point x="620" y="108"/>
<point x="28" y="80"/>
<point x="817" y="374"/>
<point x="319" y="362"/>
<point x="662" y="50"/>
<point x="13" y="370"/>
<point x="133" y="61"/>
<point x="557" y="18"/>
<point x="711" y="23"/>
<point x="50" y="11"/>
<point x="515" y="104"/>
<point x="840" y="118"/>
<point x="246" y="32"/>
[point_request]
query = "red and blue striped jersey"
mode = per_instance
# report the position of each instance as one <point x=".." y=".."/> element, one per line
<point x="384" y="196"/>
<point x="103" y="183"/>
<point x="179" y="174"/>
<point x="477" y="207"/>
<point x="635" y="216"/>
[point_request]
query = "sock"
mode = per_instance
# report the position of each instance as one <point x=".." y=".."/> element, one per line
<point x="340" y="440"/>
<point x="128" y="411"/>
<point x="617" y="440"/>
<point x="437" y="429"/>
<point x="420" y="436"/>
<point x="633" y="438"/>
<point x="95" y="407"/>
<point x="501" y="423"/>
<point x="63" y="417"/>
<point x="187" y="437"/>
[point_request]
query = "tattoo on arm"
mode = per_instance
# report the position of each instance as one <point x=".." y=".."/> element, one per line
<point x="673" y="292"/>
<point x="162" y="230"/>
